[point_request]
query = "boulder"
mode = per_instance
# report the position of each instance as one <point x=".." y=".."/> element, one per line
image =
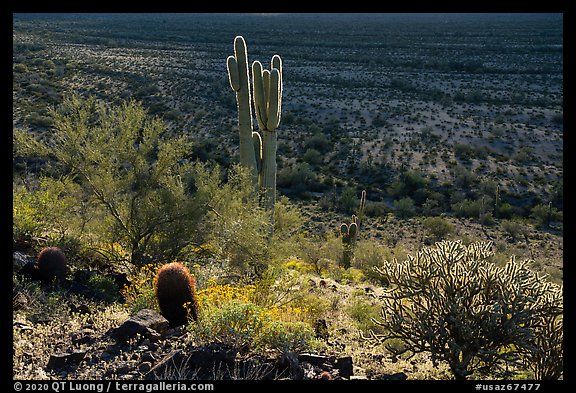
<point x="146" y="323"/>
<point x="19" y="260"/>
<point x="64" y="360"/>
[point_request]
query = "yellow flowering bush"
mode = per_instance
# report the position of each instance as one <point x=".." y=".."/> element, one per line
<point x="215" y="295"/>
<point x="298" y="265"/>
<point x="232" y="314"/>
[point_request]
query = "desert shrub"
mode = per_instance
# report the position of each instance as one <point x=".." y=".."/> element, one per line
<point x="43" y="207"/>
<point x="286" y="337"/>
<point x="140" y="293"/>
<point x="342" y="275"/>
<point x="122" y="159"/>
<point x="407" y="184"/>
<point x="377" y="209"/>
<point x="312" y="156"/>
<point x="348" y="201"/>
<point x="404" y="208"/>
<point x="450" y="301"/>
<point x="235" y="225"/>
<point x="438" y="228"/>
<point x="104" y="287"/>
<point x="287" y="218"/>
<point x="369" y="254"/>
<point x="298" y="177"/>
<point x="175" y="290"/>
<point x="515" y="229"/>
<point x="467" y="208"/>
<point x="313" y="250"/>
<point x="318" y="142"/>
<point x="542" y="215"/>
<point x="232" y="315"/>
<point x="364" y="314"/>
<point x="504" y="210"/>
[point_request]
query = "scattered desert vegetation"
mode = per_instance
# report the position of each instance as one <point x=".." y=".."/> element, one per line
<point x="377" y="197"/>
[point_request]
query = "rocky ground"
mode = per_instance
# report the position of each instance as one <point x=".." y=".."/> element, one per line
<point x="71" y="331"/>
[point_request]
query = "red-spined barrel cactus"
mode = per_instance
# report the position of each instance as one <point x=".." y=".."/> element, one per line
<point x="176" y="293"/>
<point x="52" y="264"/>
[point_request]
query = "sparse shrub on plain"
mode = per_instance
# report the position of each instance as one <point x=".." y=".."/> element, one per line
<point x="404" y="208"/>
<point x="515" y="229"/>
<point x="438" y="228"/>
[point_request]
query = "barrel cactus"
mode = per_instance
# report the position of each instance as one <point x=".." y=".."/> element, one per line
<point x="52" y="264"/>
<point x="175" y="290"/>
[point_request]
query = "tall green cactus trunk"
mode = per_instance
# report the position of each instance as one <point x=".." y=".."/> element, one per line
<point x="267" y="105"/>
<point x="268" y="171"/>
<point x="258" y="150"/>
<point x="240" y="83"/>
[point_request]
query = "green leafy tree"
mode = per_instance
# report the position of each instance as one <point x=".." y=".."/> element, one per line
<point x="132" y="168"/>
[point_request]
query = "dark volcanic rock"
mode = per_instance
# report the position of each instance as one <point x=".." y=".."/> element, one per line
<point x="64" y="360"/>
<point x="146" y="323"/>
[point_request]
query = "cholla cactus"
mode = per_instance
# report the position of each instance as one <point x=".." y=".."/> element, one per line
<point x="349" y="233"/>
<point x="545" y="356"/>
<point x="258" y="150"/>
<point x="451" y="301"/>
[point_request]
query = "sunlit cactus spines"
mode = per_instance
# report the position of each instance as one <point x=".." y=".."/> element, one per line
<point x="175" y="290"/>
<point x="240" y="82"/>
<point x="452" y="301"/>
<point x="258" y="149"/>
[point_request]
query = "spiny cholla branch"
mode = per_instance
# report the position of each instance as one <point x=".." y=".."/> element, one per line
<point x="451" y="301"/>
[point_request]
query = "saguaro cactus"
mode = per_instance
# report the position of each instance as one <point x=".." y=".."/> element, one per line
<point x="258" y="150"/>
<point x="240" y="83"/>
<point x="349" y="233"/>
<point x="268" y="104"/>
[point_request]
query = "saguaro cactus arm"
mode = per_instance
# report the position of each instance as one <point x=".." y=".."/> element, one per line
<point x="240" y="82"/>
<point x="267" y="89"/>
